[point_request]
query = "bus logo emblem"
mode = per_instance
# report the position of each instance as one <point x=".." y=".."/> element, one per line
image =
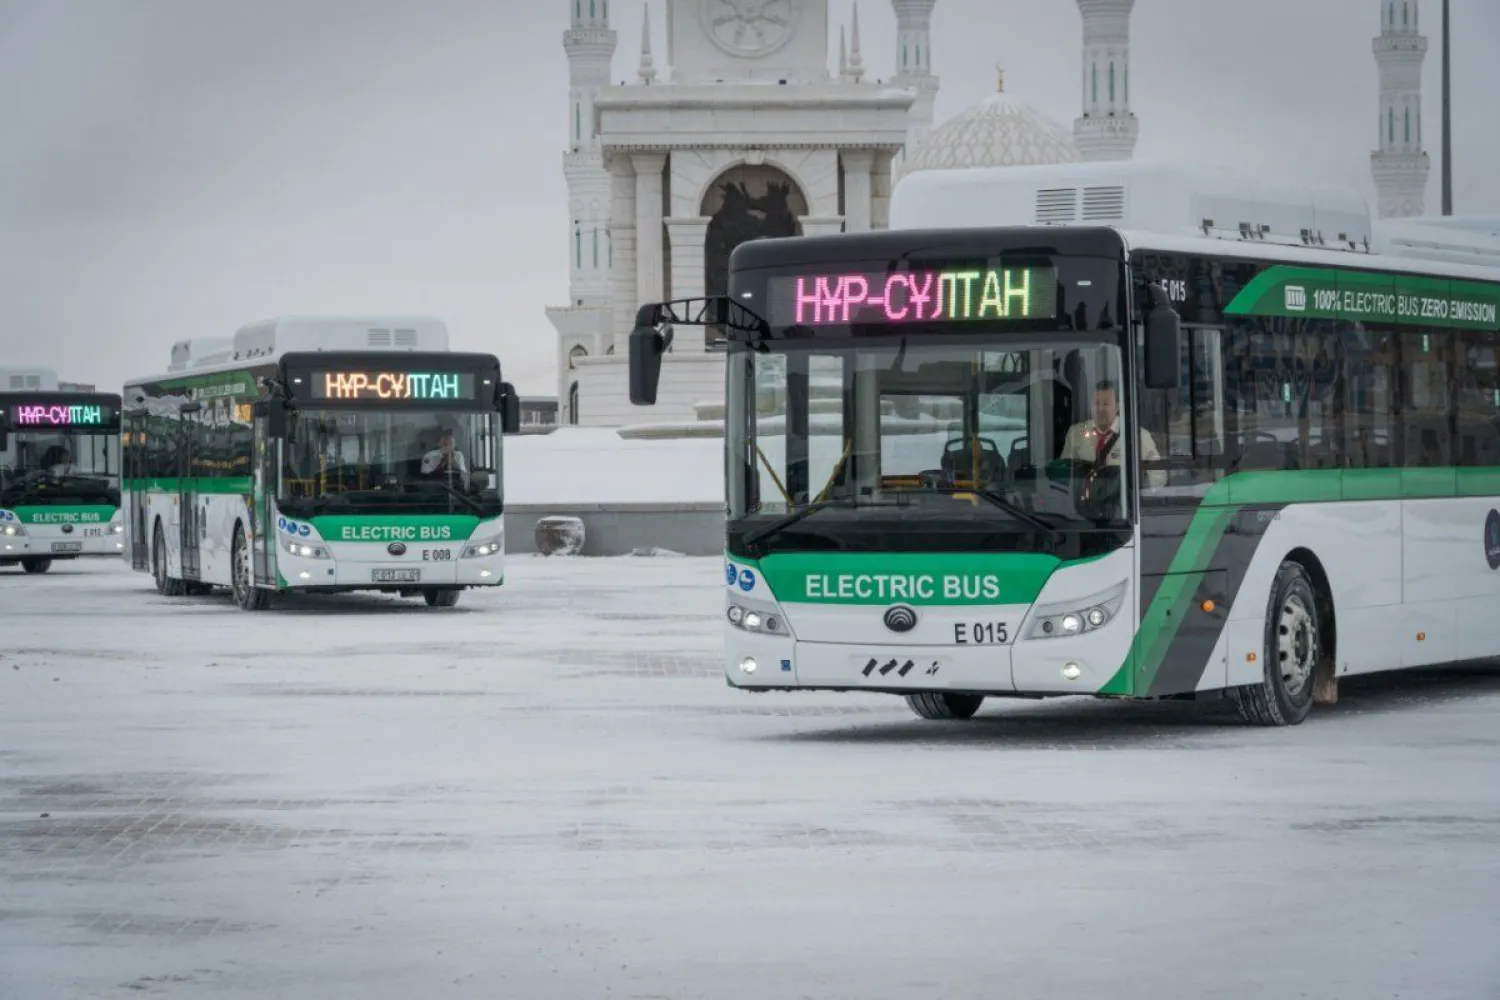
<point x="1296" y="298"/>
<point x="900" y="618"/>
<point x="67" y="529"/>
<point x="396" y="548"/>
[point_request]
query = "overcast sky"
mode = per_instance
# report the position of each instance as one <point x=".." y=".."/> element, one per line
<point x="177" y="168"/>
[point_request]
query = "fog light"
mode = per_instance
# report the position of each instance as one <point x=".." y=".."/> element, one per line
<point x="484" y="573"/>
<point x="748" y="665"/>
<point x="305" y="575"/>
<point x="1071" y="672"/>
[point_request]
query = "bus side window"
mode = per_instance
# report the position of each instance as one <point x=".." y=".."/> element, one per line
<point x="1187" y="423"/>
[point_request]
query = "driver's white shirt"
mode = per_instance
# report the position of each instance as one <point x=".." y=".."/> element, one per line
<point x="1082" y="445"/>
<point x="434" y="458"/>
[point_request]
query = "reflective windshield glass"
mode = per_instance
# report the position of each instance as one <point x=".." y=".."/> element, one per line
<point x="968" y="436"/>
<point x="60" y="466"/>
<point x="440" y="462"/>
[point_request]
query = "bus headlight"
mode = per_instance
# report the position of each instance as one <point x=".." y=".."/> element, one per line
<point x="1077" y="617"/>
<point x="117" y="528"/>
<point x="303" y="549"/>
<point x="490" y="547"/>
<point x="12" y="530"/>
<point x="756" y="619"/>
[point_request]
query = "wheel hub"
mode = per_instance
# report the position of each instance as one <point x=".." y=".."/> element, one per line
<point x="1296" y="644"/>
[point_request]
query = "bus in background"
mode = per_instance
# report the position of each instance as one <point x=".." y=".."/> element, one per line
<point x="319" y="455"/>
<point x="1121" y="430"/>
<point x="59" y="471"/>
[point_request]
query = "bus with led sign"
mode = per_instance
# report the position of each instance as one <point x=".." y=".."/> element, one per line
<point x="59" y="475"/>
<point x="315" y="463"/>
<point x="974" y="457"/>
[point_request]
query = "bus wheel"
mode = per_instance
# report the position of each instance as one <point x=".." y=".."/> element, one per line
<point x="36" y="565"/>
<point x="165" y="585"/>
<point x="941" y="705"/>
<point x="444" y="598"/>
<point x="1294" y="647"/>
<point x="246" y="594"/>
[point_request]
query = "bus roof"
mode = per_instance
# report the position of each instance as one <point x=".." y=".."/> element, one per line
<point x="264" y="342"/>
<point x="1172" y="207"/>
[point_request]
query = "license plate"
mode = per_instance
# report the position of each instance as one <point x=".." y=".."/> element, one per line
<point x="67" y="546"/>
<point x="395" y="575"/>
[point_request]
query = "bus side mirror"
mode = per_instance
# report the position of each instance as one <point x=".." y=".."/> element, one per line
<point x="274" y="410"/>
<point x="1163" y="360"/>
<point x="646" y="348"/>
<point x="4" y="431"/>
<point x="510" y="409"/>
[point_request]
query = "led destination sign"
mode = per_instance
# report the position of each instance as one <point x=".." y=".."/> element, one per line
<point x="960" y="295"/>
<point x="392" y="385"/>
<point x="59" y="415"/>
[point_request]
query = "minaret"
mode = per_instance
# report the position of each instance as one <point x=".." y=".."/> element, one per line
<point x="1107" y="130"/>
<point x="851" y="65"/>
<point x="583" y="323"/>
<point x="914" y="67"/>
<point x="590" y="45"/>
<point x="1399" y="164"/>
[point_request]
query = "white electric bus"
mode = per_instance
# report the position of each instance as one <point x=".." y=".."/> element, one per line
<point x="319" y="454"/>
<point x="1111" y="429"/>
<point x="59" y="471"/>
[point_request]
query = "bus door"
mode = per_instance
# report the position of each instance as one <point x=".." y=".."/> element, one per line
<point x="266" y="465"/>
<point x="190" y="518"/>
<point x="134" y="475"/>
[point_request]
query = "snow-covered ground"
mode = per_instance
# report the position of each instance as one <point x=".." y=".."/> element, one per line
<point x="548" y="792"/>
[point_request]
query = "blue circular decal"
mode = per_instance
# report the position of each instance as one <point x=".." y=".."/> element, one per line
<point x="747" y="580"/>
<point x="304" y="530"/>
<point x="732" y="573"/>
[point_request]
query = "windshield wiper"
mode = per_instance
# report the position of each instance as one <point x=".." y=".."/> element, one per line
<point x="473" y="504"/>
<point x="1015" y="510"/>
<point x="782" y="523"/>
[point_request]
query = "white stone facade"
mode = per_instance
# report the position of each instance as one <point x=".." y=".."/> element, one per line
<point x="1399" y="164"/>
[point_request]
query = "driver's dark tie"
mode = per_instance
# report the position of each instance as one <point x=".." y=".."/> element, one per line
<point x="1101" y="446"/>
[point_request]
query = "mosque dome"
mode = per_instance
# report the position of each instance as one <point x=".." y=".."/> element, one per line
<point x="1000" y="131"/>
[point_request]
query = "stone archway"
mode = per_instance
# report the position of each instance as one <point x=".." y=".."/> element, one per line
<point x="745" y="203"/>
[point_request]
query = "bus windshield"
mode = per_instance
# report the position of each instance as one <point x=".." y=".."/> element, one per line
<point x="352" y="460"/>
<point x="905" y="444"/>
<point x="58" y="466"/>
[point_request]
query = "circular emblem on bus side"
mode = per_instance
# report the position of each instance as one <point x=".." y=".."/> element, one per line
<point x="67" y="529"/>
<point x="396" y="548"/>
<point x="900" y="618"/>
<point x="1492" y="539"/>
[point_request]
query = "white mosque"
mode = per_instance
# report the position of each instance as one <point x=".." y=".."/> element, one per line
<point x="753" y="137"/>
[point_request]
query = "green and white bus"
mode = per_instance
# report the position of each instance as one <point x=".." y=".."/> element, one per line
<point x="319" y="455"/>
<point x="59" y="471"/>
<point x="1303" y="482"/>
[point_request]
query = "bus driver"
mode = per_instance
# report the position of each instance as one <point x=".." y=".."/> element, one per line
<point x="446" y="460"/>
<point x="1097" y="441"/>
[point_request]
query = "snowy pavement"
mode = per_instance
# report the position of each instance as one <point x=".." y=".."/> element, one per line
<point x="549" y="792"/>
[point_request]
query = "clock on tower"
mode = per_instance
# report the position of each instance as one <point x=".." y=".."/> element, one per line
<point x="749" y="41"/>
<point x="748" y="28"/>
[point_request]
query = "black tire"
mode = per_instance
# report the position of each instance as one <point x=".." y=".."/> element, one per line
<point x="166" y="586"/>
<point x="1294" y="651"/>
<point x="941" y="705"/>
<point x="445" y="598"/>
<point x="36" y="565"/>
<point x="247" y="595"/>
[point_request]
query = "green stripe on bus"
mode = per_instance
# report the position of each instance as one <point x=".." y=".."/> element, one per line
<point x="1159" y="623"/>
<point x="1369" y="297"/>
<point x="64" y="513"/>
